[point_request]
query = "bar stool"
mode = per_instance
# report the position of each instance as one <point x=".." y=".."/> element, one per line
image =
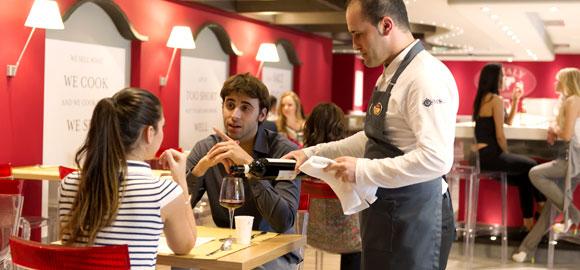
<point x="473" y="174"/>
<point x="554" y="236"/>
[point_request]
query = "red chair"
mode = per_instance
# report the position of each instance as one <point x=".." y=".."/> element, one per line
<point x="35" y="255"/>
<point x="5" y="170"/>
<point x="64" y="171"/>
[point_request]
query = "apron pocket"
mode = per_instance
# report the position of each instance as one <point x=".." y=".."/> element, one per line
<point x="379" y="233"/>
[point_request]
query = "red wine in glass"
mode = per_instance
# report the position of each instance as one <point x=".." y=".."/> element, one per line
<point x="232" y="195"/>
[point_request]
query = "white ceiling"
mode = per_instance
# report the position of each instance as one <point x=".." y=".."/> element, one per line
<point x="492" y="30"/>
<point x="501" y="30"/>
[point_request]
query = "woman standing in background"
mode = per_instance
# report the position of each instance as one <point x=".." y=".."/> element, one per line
<point x="291" y="121"/>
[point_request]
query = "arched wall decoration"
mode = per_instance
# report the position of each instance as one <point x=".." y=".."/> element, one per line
<point x="117" y="16"/>
<point x="202" y="74"/>
<point x="224" y="39"/>
<point x="290" y="51"/>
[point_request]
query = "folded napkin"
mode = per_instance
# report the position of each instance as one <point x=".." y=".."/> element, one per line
<point x="352" y="198"/>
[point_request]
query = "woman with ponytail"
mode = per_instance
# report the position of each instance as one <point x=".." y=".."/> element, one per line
<point x="115" y="198"/>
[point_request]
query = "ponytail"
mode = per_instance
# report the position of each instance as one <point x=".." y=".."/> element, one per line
<point x="116" y="126"/>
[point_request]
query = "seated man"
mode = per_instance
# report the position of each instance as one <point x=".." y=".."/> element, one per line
<point x="272" y="203"/>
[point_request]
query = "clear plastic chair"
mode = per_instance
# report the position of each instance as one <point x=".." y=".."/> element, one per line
<point x="9" y="185"/>
<point x="10" y="212"/>
<point x="40" y="256"/>
<point x="301" y="223"/>
<point x="570" y="236"/>
<point x="473" y="174"/>
<point x="472" y="218"/>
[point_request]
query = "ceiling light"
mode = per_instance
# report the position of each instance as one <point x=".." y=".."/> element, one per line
<point x="554" y="9"/>
<point x="485" y="9"/>
<point x="494" y="17"/>
<point x="505" y="28"/>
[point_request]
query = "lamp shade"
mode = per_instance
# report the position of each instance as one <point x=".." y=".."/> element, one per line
<point x="44" y="14"/>
<point x="181" y="38"/>
<point x="267" y="53"/>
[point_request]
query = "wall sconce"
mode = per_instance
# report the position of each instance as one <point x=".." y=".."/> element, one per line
<point x="267" y="52"/>
<point x="180" y="38"/>
<point x="43" y="14"/>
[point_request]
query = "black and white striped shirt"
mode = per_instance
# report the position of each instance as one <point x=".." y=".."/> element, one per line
<point x="138" y="222"/>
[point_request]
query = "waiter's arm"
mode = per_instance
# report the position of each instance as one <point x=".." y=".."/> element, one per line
<point x="353" y="146"/>
<point x="433" y="124"/>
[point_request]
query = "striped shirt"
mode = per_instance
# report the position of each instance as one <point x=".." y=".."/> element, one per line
<point x="138" y="222"/>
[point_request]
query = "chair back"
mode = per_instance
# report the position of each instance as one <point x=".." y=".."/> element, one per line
<point x="7" y="183"/>
<point x="64" y="171"/>
<point x="5" y="170"/>
<point x="40" y="256"/>
<point x="573" y="157"/>
<point x="8" y="186"/>
<point x="301" y="223"/>
<point x="10" y="212"/>
<point x="302" y="216"/>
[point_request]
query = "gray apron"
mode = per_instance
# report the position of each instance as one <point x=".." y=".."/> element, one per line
<point x="402" y="228"/>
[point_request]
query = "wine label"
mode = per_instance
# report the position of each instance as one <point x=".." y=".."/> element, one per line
<point x="279" y="160"/>
<point x="286" y="175"/>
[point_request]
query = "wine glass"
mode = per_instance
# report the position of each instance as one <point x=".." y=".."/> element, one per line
<point x="232" y="195"/>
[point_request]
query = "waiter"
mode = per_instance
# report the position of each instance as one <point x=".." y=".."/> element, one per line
<point x="406" y="145"/>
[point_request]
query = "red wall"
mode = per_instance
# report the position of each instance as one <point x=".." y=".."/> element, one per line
<point x="21" y="97"/>
<point x="466" y="72"/>
<point x="544" y="73"/>
<point x="343" y="68"/>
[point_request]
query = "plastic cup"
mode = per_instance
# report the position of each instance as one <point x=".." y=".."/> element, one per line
<point x="244" y="229"/>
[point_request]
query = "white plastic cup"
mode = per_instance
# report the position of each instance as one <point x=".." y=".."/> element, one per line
<point x="244" y="229"/>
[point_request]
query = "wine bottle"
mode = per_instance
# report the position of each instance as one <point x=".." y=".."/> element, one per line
<point x="268" y="169"/>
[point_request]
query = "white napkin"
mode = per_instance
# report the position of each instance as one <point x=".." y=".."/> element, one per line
<point x="351" y="197"/>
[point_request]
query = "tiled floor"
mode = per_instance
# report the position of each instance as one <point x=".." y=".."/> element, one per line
<point x="456" y="262"/>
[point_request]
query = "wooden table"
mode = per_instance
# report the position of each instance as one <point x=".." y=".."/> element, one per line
<point x="43" y="172"/>
<point x="251" y="257"/>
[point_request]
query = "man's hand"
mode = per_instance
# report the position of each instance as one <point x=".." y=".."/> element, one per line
<point x="344" y="168"/>
<point x="228" y="152"/>
<point x="297" y="155"/>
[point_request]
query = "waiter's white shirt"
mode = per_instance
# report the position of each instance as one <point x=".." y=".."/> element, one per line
<point x="420" y="121"/>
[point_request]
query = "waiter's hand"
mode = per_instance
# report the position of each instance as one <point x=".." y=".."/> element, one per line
<point x="297" y="155"/>
<point x="344" y="168"/>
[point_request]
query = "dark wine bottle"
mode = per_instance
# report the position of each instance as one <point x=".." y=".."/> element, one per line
<point x="267" y="169"/>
